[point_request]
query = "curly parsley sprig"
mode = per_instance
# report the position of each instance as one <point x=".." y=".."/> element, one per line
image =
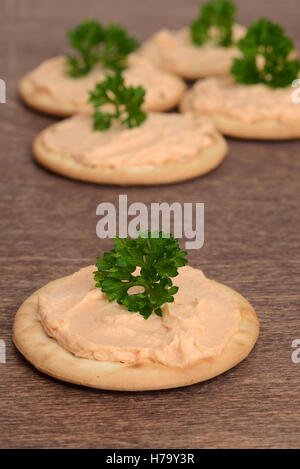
<point x="126" y="103"/>
<point x="94" y="44"/>
<point x="215" y="22"/>
<point x="117" y="46"/>
<point x="157" y="256"/>
<point x="266" y="56"/>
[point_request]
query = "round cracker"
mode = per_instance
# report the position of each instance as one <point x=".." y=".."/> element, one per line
<point x="207" y="160"/>
<point x="49" y="357"/>
<point x="202" y="69"/>
<point x="268" y="129"/>
<point x="42" y="101"/>
<point x="209" y="59"/>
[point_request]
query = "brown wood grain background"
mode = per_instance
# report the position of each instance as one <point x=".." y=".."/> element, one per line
<point x="48" y="230"/>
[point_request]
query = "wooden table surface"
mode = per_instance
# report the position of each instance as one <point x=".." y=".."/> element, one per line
<point x="48" y="230"/>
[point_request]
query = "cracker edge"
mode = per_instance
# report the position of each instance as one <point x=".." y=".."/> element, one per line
<point x="263" y="130"/>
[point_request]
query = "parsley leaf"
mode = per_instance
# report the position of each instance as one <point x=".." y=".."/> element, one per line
<point x="266" y="56"/>
<point x="215" y="22"/>
<point x="157" y="256"/>
<point x="117" y="46"/>
<point x="85" y="39"/>
<point x="125" y="101"/>
<point x="96" y="44"/>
